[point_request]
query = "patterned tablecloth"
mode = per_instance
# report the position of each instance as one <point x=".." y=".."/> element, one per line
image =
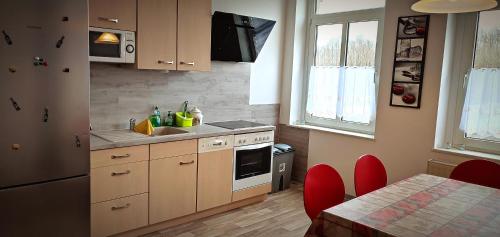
<point x="423" y="205"/>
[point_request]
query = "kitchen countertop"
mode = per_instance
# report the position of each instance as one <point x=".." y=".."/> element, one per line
<point x="98" y="143"/>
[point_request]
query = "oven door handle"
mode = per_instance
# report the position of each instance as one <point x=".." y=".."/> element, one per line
<point x="253" y="147"/>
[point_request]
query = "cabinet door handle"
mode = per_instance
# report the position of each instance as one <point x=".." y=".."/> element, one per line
<point x="165" y="62"/>
<point x="190" y="64"/>
<point x="186" y="163"/>
<point x="120" y="207"/>
<point x="120" y="156"/>
<point x="120" y="173"/>
<point x="114" y="20"/>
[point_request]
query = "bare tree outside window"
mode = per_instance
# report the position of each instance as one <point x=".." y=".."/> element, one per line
<point x="361" y="44"/>
<point x="487" y="53"/>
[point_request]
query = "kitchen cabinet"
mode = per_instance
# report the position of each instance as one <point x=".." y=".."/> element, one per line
<point x="119" y="215"/>
<point x="157" y="34"/>
<point x="174" y="34"/>
<point x="170" y="149"/>
<point x="215" y="179"/>
<point x="117" y="156"/>
<point x="113" y="14"/>
<point x="194" y="35"/>
<point x="118" y="181"/>
<point x="172" y="186"/>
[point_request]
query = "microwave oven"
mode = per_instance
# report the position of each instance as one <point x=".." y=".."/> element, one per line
<point x="122" y="51"/>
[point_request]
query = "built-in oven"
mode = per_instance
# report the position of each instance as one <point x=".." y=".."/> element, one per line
<point x="113" y="46"/>
<point x="253" y="155"/>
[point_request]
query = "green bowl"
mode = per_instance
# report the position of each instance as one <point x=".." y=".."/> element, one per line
<point x="181" y="121"/>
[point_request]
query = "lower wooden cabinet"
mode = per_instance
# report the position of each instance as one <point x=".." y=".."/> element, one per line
<point x="118" y="181"/>
<point x="119" y="215"/>
<point x="172" y="187"/>
<point x="215" y="179"/>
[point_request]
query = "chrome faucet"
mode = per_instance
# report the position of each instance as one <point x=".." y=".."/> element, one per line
<point x="132" y="124"/>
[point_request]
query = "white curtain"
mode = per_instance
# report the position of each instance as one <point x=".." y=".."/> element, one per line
<point x="347" y="92"/>
<point x="481" y="112"/>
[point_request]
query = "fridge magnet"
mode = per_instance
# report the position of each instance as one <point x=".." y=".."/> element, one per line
<point x="16" y="146"/>
<point x="38" y="61"/>
<point x="77" y="141"/>
<point x="66" y="70"/>
<point x="65" y="18"/>
<point x="409" y="61"/>
<point x="14" y="104"/>
<point x="12" y="70"/>
<point x="7" y="38"/>
<point x="45" y="115"/>
<point x="60" y="42"/>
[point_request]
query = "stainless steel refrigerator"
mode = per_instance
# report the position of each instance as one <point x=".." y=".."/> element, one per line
<point x="44" y="118"/>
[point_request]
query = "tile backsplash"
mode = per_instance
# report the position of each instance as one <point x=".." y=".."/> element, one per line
<point x="118" y="93"/>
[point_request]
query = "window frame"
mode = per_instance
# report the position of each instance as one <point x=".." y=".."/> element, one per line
<point x="466" y="31"/>
<point x="344" y="18"/>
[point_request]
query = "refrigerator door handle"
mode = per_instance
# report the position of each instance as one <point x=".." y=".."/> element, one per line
<point x="120" y="173"/>
<point x="120" y="156"/>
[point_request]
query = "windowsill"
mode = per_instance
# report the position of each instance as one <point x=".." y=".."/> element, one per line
<point x="332" y="130"/>
<point x="472" y="154"/>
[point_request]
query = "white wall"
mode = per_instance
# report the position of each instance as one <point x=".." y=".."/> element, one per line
<point x="293" y="61"/>
<point x="265" y="78"/>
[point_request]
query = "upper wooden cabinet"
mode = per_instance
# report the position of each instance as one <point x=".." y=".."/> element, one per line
<point x="174" y="34"/>
<point x="194" y="35"/>
<point x="157" y="34"/>
<point x="113" y="14"/>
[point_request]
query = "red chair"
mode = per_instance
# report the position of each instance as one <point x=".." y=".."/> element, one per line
<point x="369" y="175"/>
<point x="481" y="172"/>
<point x="323" y="188"/>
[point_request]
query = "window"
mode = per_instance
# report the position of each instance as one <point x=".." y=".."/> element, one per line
<point x="335" y="6"/>
<point x="342" y="71"/>
<point x="476" y="123"/>
<point x="479" y="101"/>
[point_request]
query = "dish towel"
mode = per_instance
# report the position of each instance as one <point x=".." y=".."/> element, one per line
<point x="145" y="127"/>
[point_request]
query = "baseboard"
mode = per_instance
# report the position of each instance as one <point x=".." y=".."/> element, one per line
<point x="195" y="216"/>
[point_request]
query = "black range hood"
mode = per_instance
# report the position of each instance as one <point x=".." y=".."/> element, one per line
<point x="238" y="38"/>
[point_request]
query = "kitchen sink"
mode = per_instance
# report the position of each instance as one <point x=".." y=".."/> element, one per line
<point x="165" y="131"/>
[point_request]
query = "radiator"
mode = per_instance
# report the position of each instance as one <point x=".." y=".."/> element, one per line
<point x="440" y="168"/>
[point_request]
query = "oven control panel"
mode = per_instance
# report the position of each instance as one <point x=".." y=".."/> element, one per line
<point x="215" y="143"/>
<point x="253" y="138"/>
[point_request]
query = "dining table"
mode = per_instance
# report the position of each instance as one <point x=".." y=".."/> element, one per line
<point x="422" y="205"/>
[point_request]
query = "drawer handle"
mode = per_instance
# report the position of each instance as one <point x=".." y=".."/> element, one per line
<point x="186" y="163"/>
<point x="190" y="64"/>
<point x="114" y="20"/>
<point x="120" y="207"/>
<point x="120" y="156"/>
<point x="165" y="62"/>
<point x="120" y="173"/>
<point x="218" y="143"/>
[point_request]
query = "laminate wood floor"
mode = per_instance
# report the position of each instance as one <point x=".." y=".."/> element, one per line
<point x="281" y="214"/>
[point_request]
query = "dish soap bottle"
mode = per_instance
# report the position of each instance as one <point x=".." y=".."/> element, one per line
<point x="156" y="117"/>
<point x="169" y="120"/>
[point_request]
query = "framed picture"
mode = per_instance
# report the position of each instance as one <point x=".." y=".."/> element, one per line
<point x="405" y="94"/>
<point x="409" y="61"/>
<point x="410" y="50"/>
<point x="408" y="72"/>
